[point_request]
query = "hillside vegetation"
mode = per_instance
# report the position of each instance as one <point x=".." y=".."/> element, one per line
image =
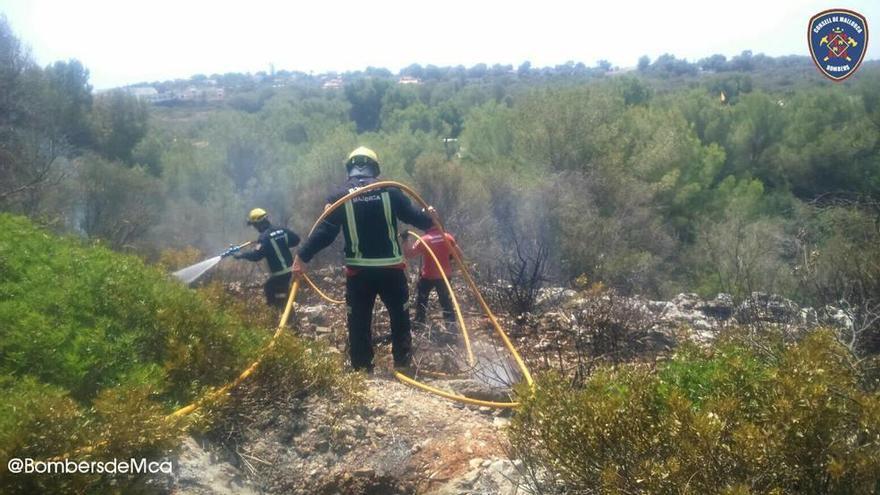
<point x="718" y="175"/>
<point x="746" y="417"/>
<point x="741" y="179"/>
<point x="97" y="348"/>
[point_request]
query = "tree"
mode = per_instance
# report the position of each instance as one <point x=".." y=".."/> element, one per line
<point x="757" y="130"/>
<point x="487" y="135"/>
<point x="644" y="63"/>
<point x="413" y="70"/>
<point x="567" y="129"/>
<point x="365" y="96"/>
<point x="732" y="85"/>
<point x="148" y="154"/>
<point x="635" y="91"/>
<point x="715" y="63"/>
<point x="118" y="203"/>
<point x="478" y="71"/>
<point x="119" y="122"/>
<point x="70" y="100"/>
<point x="667" y="65"/>
<point x="499" y="70"/>
<point x="29" y="146"/>
<point x="380" y="72"/>
<point x="829" y="144"/>
<point x="743" y="62"/>
<point x="14" y="63"/>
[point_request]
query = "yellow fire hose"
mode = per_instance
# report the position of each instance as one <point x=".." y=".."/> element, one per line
<point x="288" y="309"/>
<point x="415" y="383"/>
<point x="458" y="312"/>
<point x="457" y="308"/>
<point x="321" y="293"/>
<point x="458" y="316"/>
<point x="183" y="411"/>
<point x="497" y="326"/>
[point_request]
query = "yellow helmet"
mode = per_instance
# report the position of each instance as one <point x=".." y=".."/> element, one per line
<point x="257" y="215"/>
<point x="365" y="152"/>
<point x="363" y="159"/>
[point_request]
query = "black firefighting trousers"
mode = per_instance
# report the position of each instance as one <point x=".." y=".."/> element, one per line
<point x="423" y="291"/>
<point x="276" y="290"/>
<point x="361" y="290"/>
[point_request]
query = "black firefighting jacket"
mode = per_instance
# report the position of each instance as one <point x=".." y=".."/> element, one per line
<point x="369" y="224"/>
<point x="274" y="244"/>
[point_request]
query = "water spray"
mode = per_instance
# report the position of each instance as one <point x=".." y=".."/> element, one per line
<point x="191" y="273"/>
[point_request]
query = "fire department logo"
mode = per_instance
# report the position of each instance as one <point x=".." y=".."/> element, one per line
<point x="838" y="42"/>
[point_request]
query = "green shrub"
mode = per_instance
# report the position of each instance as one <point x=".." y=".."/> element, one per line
<point x="96" y="349"/>
<point x="37" y="419"/>
<point x="728" y="420"/>
<point x="86" y="318"/>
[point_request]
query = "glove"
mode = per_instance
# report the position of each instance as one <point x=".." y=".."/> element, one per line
<point x="238" y="256"/>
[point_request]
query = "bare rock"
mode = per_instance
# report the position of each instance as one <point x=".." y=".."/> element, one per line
<point x="491" y="476"/>
<point x="316" y="314"/>
<point x="198" y="472"/>
<point x="720" y="308"/>
<point x="478" y="390"/>
<point x="837" y="317"/>
<point x="771" y="308"/>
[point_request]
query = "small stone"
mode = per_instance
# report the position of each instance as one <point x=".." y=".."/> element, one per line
<point x="363" y="472"/>
<point x="475" y="462"/>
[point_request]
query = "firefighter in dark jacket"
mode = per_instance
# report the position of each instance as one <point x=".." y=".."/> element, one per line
<point x="274" y="244"/>
<point x="373" y="257"/>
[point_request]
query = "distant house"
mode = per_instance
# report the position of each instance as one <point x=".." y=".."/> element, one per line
<point x="149" y="94"/>
<point x="189" y="94"/>
<point x="143" y="92"/>
<point x="213" y="94"/>
<point x="162" y="97"/>
<point x="408" y="80"/>
<point x="334" y="83"/>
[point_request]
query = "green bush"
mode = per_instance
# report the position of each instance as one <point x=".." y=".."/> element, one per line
<point x="85" y="318"/>
<point x="728" y="420"/>
<point x="96" y="349"/>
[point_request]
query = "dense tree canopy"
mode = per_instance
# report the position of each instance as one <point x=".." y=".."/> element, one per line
<point x="651" y="180"/>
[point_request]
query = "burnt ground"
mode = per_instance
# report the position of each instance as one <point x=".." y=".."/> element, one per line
<point x="397" y="439"/>
<point x="401" y="440"/>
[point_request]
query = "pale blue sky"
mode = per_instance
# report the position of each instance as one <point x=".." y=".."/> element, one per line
<point x="124" y="42"/>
